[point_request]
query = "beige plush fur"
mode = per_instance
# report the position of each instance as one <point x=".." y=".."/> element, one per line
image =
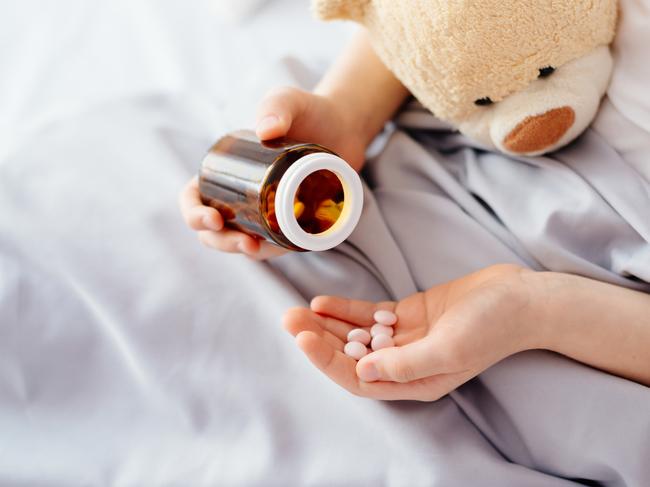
<point x="450" y="53"/>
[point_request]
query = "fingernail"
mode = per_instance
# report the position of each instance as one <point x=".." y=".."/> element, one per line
<point x="241" y="248"/>
<point x="267" y="123"/>
<point x="369" y="373"/>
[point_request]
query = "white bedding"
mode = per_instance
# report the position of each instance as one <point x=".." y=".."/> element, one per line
<point x="130" y="355"/>
<point x="59" y="59"/>
<point x="80" y="402"/>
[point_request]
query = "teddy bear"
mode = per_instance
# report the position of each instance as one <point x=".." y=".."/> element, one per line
<point x="522" y="77"/>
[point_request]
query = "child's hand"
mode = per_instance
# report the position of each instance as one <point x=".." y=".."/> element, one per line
<point x="308" y="117"/>
<point x="290" y="112"/>
<point x="444" y="336"/>
<point x="355" y="99"/>
<point x="209" y="224"/>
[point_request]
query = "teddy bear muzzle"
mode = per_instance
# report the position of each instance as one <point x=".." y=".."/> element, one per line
<point x="549" y="113"/>
<point x="540" y="132"/>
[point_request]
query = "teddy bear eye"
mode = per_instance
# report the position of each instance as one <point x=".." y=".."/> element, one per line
<point x="546" y="72"/>
<point x="483" y="102"/>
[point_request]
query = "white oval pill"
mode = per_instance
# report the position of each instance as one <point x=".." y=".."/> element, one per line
<point x="385" y="317"/>
<point x="359" y="335"/>
<point x="355" y="350"/>
<point x="382" y="341"/>
<point x="381" y="330"/>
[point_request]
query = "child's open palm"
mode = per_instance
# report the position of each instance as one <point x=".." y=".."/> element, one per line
<point x="444" y="337"/>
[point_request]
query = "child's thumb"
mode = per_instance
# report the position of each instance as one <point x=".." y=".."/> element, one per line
<point x="410" y="362"/>
<point x="278" y="110"/>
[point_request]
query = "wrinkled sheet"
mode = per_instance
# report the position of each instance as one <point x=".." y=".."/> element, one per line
<point x="130" y="355"/>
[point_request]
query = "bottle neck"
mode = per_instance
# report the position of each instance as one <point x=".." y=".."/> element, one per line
<point x="288" y="188"/>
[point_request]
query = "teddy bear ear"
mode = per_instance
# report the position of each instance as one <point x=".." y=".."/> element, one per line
<point x="340" y="9"/>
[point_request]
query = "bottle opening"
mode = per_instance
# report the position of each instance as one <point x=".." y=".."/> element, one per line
<point x="319" y="201"/>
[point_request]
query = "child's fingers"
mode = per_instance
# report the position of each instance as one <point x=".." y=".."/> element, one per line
<point x="358" y="312"/>
<point x="196" y="215"/>
<point x="228" y="240"/>
<point x="341" y="369"/>
<point x="298" y="320"/>
<point x="204" y="218"/>
<point x="408" y="363"/>
<point x="333" y="363"/>
<point x="336" y="327"/>
<point x="278" y="110"/>
<point x="267" y="251"/>
<point x="189" y="196"/>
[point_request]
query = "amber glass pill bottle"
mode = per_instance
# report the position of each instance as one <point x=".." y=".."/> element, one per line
<point x="299" y="196"/>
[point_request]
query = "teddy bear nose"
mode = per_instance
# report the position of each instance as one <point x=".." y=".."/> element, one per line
<point x="537" y="133"/>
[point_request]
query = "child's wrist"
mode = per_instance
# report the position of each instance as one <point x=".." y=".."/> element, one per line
<point x="550" y="312"/>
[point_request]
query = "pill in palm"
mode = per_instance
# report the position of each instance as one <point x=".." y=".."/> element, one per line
<point x="385" y="317"/>
<point x="359" y="335"/>
<point x="381" y="341"/>
<point x="356" y="350"/>
<point x="381" y="330"/>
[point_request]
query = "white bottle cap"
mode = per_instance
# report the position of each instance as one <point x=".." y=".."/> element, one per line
<point x="286" y="193"/>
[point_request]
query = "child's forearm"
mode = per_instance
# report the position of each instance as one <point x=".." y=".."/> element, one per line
<point x="363" y="88"/>
<point x="599" y="324"/>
